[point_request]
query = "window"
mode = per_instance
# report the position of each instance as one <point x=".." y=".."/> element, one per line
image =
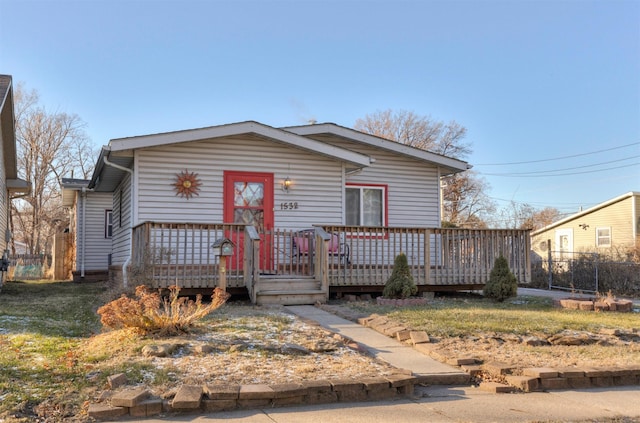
<point x="108" y="223"/>
<point x="603" y="237"/>
<point x="366" y="205"/>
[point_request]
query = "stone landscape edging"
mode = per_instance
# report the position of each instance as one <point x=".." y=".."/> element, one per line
<point x="138" y="401"/>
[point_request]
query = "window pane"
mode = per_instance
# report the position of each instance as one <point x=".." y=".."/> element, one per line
<point x="108" y="224"/>
<point x="603" y="237"/>
<point x="372" y="210"/>
<point x="248" y="194"/>
<point x="352" y="211"/>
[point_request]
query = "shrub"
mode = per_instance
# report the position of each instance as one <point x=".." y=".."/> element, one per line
<point x="149" y="313"/>
<point x="400" y="284"/>
<point x="502" y="284"/>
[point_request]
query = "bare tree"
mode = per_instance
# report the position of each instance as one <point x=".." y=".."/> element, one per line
<point x="465" y="201"/>
<point x="49" y="146"/>
<point x="525" y="216"/>
<point x="417" y="131"/>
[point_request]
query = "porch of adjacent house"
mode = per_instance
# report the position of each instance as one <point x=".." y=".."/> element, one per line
<point x="292" y="266"/>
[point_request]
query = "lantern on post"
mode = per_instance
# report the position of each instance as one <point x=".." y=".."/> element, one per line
<point x="223" y="248"/>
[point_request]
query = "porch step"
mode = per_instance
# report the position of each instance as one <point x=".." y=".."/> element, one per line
<point x="301" y="297"/>
<point x="288" y="284"/>
<point x="289" y="291"/>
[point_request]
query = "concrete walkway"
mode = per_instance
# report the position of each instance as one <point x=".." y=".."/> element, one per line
<point x="399" y="355"/>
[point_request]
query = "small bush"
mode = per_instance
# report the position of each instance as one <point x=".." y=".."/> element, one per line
<point x="502" y="284"/>
<point x="149" y="313"/>
<point x="400" y="284"/>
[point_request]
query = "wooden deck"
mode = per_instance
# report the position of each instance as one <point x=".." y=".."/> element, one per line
<point x="303" y="266"/>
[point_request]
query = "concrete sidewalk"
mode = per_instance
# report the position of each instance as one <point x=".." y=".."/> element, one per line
<point x="533" y="292"/>
<point x="448" y="404"/>
<point x="399" y="355"/>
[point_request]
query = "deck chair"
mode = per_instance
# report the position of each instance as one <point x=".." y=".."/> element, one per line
<point x="304" y="244"/>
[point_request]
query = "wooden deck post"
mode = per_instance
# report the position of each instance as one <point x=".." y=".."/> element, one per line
<point x="222" y="273"/>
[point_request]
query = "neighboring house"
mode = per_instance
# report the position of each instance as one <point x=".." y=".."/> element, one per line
<point x="319" y="202"/>
<point x="90" y="229"/>
<point x="610" y="228"/>
<point x="10" y="185"/>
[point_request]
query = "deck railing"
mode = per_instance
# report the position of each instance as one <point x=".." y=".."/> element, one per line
<point x="436" y="256"/>
<point x="180" y="254"/>
<point x="166" y="254"/>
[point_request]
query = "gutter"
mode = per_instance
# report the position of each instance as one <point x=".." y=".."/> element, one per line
<point x="127" y="262"/>
<point x="84" y="229"/>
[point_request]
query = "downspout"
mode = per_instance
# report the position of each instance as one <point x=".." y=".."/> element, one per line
<point x="125" y="169"/>
<point x="83" y="221"/>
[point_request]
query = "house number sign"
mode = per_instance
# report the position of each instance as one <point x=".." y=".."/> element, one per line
<point x="289" y="206"/>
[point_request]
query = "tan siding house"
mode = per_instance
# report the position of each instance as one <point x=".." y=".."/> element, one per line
<point x="610" y="228"/>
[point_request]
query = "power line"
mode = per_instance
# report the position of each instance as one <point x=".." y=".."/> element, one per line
<point x="558" y="158"/>
<point x="516" y="175"/>
<point x="560" y="170"/>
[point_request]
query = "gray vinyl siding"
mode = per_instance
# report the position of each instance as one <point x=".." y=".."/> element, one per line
<point x="121" y="241"/>
<point x="413" y="198"/>
<point x="96" y="247"/>
<point x="317" y="181"/>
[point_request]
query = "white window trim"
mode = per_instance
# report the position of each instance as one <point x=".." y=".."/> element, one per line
<point x="108" y="212"/>
<point x="608" y="228"/>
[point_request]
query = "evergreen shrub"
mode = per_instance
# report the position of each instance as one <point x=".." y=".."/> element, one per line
<point x="400" y="284"/>
<point x="502" y="284"/>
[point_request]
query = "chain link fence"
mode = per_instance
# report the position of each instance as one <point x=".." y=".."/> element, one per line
<point x="586" y="272"/>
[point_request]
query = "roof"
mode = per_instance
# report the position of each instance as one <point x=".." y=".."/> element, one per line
<point x="117" y="157"/>
<point x="8" y="136"/>
<point x="449" y="164"/>
<point x="120" y="151"/>
<point x="69" y="188"/>
<point x="585" y="212"/>
<point x="8" y="126"/>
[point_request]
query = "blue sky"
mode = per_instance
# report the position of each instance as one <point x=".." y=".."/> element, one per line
<point x="530" y="80"/>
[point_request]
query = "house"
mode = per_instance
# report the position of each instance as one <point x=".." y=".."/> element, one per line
<point x="610" y="228"/>
<point x="86" y="245"/>
<point x="308" y="209"/>
<point x="11" y="186"/>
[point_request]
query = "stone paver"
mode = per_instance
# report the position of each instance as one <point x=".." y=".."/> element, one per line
<point x="187" y="397"/>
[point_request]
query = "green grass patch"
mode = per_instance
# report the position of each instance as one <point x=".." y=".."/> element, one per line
<point x="42" y="323"/>
<point x="457" y="316"/>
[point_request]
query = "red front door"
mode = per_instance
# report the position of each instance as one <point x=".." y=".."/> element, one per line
<point x="248" y="199"/>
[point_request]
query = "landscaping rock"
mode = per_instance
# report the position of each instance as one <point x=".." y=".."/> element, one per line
<point x="534" y="341"/>
<point x="540" y="372"/>
<point x="573" y="338"/>
<point x="162" y="350"/>
<point x="105" y="411"/>
<point x="203" y="349"/>
<point x="496" y="388"/>
<point x="419" y="337"/>
<point x="294" y="349"/>
<point x="130" y="397"/>
<point x="495" y="368"/>
<point x="117" y="380"/>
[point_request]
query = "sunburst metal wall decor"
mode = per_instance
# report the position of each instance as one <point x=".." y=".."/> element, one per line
<point x="187" y="184"/>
